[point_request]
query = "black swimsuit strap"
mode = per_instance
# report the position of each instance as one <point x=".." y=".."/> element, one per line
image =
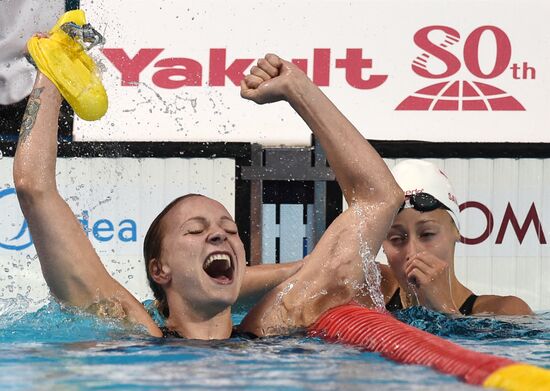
<point x="167" y="333"/>
<point x="467" y="307"/>
<point x="395" y="302"/>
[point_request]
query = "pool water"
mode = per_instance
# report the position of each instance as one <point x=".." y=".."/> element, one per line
<point x="60" y="349"/>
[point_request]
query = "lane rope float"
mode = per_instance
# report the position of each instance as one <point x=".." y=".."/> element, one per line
<point x="380" y="332"/>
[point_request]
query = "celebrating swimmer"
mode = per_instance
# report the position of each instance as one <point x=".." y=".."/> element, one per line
<point x="194" y="257"/>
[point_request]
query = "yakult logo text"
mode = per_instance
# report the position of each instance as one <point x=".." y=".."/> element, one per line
<point x="178" y="72"/>
<point x="457" y="95"/>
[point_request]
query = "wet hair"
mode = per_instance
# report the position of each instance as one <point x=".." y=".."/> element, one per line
<point x="152" y="248"/>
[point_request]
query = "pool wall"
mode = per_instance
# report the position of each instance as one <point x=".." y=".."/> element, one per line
<point x="116" y="198"/>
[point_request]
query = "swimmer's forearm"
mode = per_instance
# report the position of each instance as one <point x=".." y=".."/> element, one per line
<point x="260" y="279"/>
<point x="51" y="222"/>
<point x="360" y="171"/>
<point x="34" y="165"/>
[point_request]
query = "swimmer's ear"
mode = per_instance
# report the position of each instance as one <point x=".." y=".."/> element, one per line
<point x="160" y="273"/>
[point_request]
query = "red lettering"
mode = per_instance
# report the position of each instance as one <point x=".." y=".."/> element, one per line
<point x="489" y="222"/>
<point x="130" y="68"/>
<point x="179" y="72"/>
<point x="219" y="70"/>
<point x="510" y="217"/>
<point x="503" y="52"/>
<point x="190" y="73"/>
<point x="321" y="67"/>
<point x="423" y="42"/>
<point x="301" y="63"/>
<point x="354" y="63"/>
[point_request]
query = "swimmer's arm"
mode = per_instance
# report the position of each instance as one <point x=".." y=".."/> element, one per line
<point x="501" y="305"/>
<point x="360" y="171"/>
<point x="332" y="275"/>
<point x="70" y="265"/>
<point x="260" y="279"/>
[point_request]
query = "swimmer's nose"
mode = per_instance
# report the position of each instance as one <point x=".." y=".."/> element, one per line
<point x="413" y="247"/>
<point x="217" y="237"/>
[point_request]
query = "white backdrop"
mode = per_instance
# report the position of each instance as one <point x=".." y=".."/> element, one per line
<point x="126" y="193"/>
<point x="180" y="61"/>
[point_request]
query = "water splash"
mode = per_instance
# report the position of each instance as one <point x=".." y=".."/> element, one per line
<point x="412" y="291"/>
<point x="175" y="108"/>
<point x="183" y="108"/>
<point x="373" y="277"/>
<point x="52" y="322"/>
<point x="13" y="309"/>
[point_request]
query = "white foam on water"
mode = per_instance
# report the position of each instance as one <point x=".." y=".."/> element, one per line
<point x="14" y="308"/>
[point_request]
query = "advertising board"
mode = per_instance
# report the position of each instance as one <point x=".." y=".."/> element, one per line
<point x="452" y="71"/>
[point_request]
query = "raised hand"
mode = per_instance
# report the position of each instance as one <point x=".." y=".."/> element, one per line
<point x="430" y="277"/>
<point x="271" y="80"/>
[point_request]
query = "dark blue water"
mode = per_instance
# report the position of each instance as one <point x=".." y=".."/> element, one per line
<point x="56" y="348"/>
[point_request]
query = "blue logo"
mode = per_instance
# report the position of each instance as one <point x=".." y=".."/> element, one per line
<point x="102" y="230"/>
<point x="24" y="228"/>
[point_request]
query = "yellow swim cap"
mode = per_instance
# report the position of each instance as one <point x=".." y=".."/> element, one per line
<point x="65" y="62"/>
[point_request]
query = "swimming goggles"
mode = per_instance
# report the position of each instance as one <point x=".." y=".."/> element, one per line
<point x="422" y="202"/>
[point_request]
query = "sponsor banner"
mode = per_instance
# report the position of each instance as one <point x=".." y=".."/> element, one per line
<point x="453" y="71"/>
<point x="115" y="201"/>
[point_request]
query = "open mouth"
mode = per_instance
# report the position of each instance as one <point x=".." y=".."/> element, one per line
<point x="219" y="267"/>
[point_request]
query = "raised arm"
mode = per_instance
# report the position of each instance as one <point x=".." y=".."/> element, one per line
<point x="260" y="279"/>
<point x="70" y="265"/>
<point x="361" y="173"/>
<point x="334" y="273"/>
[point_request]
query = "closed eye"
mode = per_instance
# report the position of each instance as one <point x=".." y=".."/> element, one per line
<point x="194" y="231"/>
<point x="427" y="235"/>
<point x="229" y="226"/>
<point x="230" y="229"/>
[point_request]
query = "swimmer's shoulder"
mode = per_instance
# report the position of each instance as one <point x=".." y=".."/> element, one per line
<point x="501" y="305"/>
